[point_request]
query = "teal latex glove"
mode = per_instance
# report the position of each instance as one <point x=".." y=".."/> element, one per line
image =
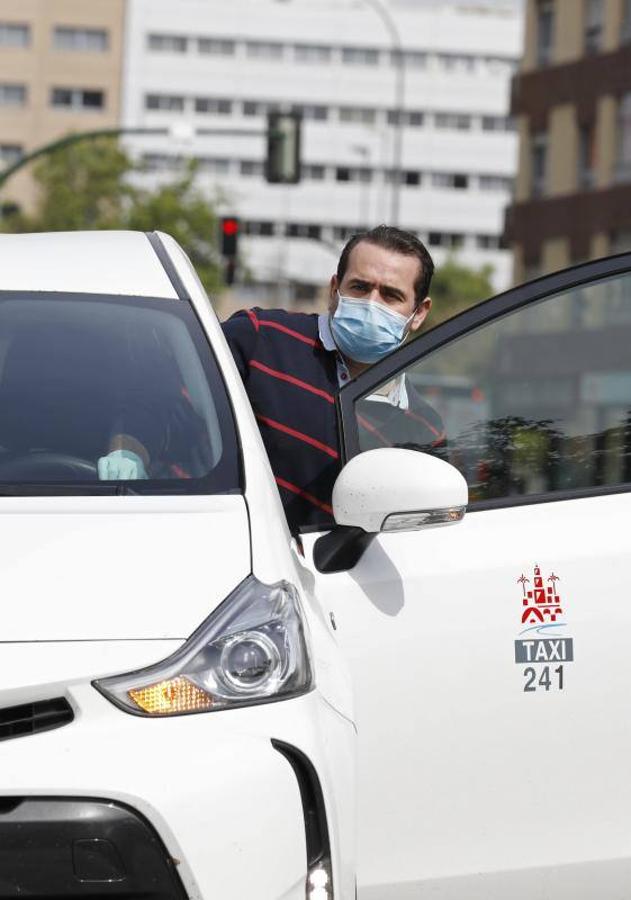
<point x="121" y="465"/>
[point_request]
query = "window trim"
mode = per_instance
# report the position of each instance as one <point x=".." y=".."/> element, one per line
<point x="464" y="323"/>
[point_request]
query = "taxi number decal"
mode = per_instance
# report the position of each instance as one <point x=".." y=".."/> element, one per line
<point x="548" y="679"/>
<point x="542" y="643"/>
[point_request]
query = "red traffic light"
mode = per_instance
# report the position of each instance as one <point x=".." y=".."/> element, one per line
<point x="230" y="226"/>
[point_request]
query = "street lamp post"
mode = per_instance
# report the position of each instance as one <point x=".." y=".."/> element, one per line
<point x="399" y="103"/>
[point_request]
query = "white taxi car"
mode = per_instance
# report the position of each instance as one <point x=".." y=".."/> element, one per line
<point x="195" y="704"/>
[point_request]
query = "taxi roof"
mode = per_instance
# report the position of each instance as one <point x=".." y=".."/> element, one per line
<point x="91" y="262"/>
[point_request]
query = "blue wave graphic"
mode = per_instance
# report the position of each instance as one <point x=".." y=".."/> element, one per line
<point x="541" y="629"/>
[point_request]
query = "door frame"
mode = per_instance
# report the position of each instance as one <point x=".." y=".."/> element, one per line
<point x="482" y="313"/>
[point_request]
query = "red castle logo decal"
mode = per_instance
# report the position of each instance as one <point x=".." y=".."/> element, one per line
<point x="542" y="604"/>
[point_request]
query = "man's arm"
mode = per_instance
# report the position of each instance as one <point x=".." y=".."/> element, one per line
<point x="241" y="331"/>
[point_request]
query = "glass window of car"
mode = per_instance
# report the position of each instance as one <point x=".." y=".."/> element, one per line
<point x="534" y="403"/>
<point x="82" y="374"/>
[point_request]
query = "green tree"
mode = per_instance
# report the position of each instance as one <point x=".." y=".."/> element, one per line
<point x="89" y="185"/>
<point x="456" y="287"/>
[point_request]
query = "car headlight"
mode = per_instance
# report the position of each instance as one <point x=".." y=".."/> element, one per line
<point x="251" y="649"/>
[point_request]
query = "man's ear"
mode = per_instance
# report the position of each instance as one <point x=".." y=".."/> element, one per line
<point x="333" y="288"/>
<point x="421" y="314"/>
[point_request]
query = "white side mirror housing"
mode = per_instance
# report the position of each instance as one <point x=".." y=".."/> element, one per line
<point x="391" y="489"/>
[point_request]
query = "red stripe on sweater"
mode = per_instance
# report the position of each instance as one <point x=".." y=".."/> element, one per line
<point x="298" y="435"/>
<point x="366" y="424"/>
<point x="283" y="376"/>
<point x="296" y="490"/>
<point x="440" y="435"/>
<point x="289" y="331"/>
<point x="253" y="318"/>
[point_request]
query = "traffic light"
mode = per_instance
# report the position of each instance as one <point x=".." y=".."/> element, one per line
<point x="229" y="246"/>
<point x="282" y="162"/>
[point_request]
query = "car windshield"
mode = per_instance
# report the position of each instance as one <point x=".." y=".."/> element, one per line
<point x="86" y="376"/>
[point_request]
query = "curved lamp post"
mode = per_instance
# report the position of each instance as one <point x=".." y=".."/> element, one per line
<point x="387" y="18"/>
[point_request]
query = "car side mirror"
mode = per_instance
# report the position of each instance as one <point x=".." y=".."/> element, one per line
<point x="384" y="490"/>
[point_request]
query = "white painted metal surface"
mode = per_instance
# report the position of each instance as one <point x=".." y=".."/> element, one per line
<point x="380" y="483"/>
<point x="485" y="790"/>
<point x="107" y="262"/>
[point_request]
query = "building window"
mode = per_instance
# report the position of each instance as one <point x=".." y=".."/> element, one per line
<point x="77" y="98"/>
<point x="495" y="183"/>
<point x="10" y="154"/>
<point x="302" y="230"/>
<point x="358" y="114"/>
<point x="311" y="53"/>
<point x="13" y="34"/>
<point x="216" y="46"/>
<point x="165" y="102"/>
<point x="90" y="40"/>
<point x="412" y="118"/>
<point x="254" y="108"/>
<point x="538" y="162"/>
<point x="456" y="181"/>
<point x="360" y="56"/>
<point x="620" y="241"/>
<point x="594" y="21"/>
<point x="213" y="165"/>
<point x="623" y="168"/>
<point x="497" y="123"/>
<point x="445" y="239"/>
<point x="453" y="62"/>
<point x="168" y="43"/>
<point x="313" y="112"/>
<point x="259" y="229"/>
<point x="213" y="105"/>
<point x="586" y="157"/>
<point x="264" y="50"/>
<point x="353" y="173"/>
<point x="412" y="58"/>
<point x="162" y="162"/>
<point x="12" y="94"/>
<point x="545" y="31"/>
<point x="313" y="172"/>
<point x="456" y="121"/>
<point x="498" y="65"/>
<point x="487" y="242"/>
<point x="625" y="23"/>
<point x="412" y="179"/>
<point x="251" y="168"/>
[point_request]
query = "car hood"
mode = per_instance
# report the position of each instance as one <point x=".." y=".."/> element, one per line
<point x="108" y="568"/>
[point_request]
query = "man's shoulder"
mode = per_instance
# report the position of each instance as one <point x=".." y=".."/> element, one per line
<point x="279" y="321"/>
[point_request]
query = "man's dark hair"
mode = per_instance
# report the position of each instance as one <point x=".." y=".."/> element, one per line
<point x="399" y="241"/>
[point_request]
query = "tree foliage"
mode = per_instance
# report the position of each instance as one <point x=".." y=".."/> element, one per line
<point x="456" y="287"/>
<point x="89" y="185"/>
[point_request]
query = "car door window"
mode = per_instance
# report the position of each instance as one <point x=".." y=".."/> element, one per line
<point x="535" y="402"/>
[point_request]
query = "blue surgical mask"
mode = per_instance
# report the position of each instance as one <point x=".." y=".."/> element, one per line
<point x="366" y="331"/>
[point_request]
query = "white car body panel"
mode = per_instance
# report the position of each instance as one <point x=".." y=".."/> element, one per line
<point x="491" y="792"/>
<point x="105" y="262"/>
<point x="84" y="568"/>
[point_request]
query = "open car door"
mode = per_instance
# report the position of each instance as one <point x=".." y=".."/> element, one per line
<point x="491" y="659"/>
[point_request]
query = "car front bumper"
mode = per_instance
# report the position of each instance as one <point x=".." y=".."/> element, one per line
<point x="216" y="808"/>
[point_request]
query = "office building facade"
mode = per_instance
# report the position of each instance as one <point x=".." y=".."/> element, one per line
<point x="60" y="71"/>
<point x="198" y="67"/>
<point x="572" y="103"/>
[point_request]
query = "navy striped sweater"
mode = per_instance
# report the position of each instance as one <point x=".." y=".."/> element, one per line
<point x="292" y="382"/>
